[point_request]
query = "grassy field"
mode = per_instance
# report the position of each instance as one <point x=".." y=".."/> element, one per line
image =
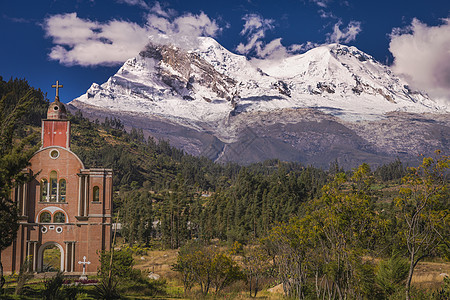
<point x="428" y="276"/>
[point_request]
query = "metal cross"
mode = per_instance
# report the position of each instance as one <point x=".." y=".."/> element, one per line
<point x="84" y="262"/>
<point x="57" y="86"/>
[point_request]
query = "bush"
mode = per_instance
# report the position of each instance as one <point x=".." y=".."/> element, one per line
<point x="444" y="292"/>
<point x="107" y="289"/>
<point x="207" y="267"/>
<point x="52" y="287"/>
<point x="391" y="274"/>
<point x="143" y="287"/>
<point x="24" y="275"/>
<point x="122" y="264"/>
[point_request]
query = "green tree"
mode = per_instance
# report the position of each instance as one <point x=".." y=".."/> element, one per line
<point x="175" y="214"/>
<point x="328" y="243"/>
<point x="207" y="267"/>
<point x="14" y="156"/>
<point x="257" y="264"/>
<point x="423" y="208"/>
<point x="137" y="216"/>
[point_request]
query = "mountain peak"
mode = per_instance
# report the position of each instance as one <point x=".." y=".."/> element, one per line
<point x="210" y="84"/>
<point x="331" y="101"/>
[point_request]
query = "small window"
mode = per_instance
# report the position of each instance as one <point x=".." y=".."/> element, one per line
<point x="59" y="217"/>
<point x="62" y="190"/>
<point x="53" y="186"/>
<point x="44" y="190"/>
<point x="96" y="193"/>
<point x="54" y="154"/>
<point x="45" y="217"/>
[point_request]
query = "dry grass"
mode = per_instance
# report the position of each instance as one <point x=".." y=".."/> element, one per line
<point x="427" y="275"/>
<point x="430" y="275"/>
<point x="159" y="262"/>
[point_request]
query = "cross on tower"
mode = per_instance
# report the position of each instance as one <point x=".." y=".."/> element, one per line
<point x="57" y="86"/>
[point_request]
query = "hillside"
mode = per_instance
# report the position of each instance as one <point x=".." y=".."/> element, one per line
<point x="276" y="220"/>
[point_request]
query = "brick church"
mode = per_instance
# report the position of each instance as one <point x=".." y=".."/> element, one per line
<point x="65" y="207"/>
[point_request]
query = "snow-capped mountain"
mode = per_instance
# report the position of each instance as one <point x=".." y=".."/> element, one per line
<point x="220" y="99"/>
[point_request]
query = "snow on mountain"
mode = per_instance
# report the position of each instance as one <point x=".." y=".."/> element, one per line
<point x="209" y="83"/>
<point x="213" y="95"/>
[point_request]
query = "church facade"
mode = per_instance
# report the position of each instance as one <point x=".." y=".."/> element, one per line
<point x="65" y="207"/>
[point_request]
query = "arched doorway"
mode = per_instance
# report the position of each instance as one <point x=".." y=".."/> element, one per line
<point x="51" y="257"/>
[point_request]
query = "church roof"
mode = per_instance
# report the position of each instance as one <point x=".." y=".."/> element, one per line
<point x="56" y="110"/>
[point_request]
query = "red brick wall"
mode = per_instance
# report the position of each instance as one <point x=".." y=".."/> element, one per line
<point x="91" y="233"/>
<point x="55" y="133"/>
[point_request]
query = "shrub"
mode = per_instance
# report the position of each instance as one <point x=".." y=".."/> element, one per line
<point x="107" y="289"/>
<point x="52" y="287"/>
<point x="122" y="264"/>
<point x="207" y="267"/>
<point x="391" y="274"/>
<point x="444" y="292"/>
<point x="24" y="275"/>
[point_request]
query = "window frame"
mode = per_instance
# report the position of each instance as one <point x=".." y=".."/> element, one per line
<point x="60" y="195"/>
<point x="43" y="184"/>
<point x="96" y="194"/>
<point x="54" y="186"/>
<point x="45" y="212"/>
<point x="55" y="215"/>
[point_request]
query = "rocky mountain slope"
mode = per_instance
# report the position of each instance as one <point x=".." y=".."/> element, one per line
<point x="331" y="102"/>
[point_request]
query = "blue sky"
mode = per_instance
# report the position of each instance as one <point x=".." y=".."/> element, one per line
<point x="80" y="42"/>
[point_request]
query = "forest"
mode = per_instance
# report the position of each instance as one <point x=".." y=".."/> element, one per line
<point x="335" y="233"/>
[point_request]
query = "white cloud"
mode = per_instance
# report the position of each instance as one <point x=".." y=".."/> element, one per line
<point x="345" y="35"/>
<point x="326" y="14"/>
<point x="273" y="49"/>
<point x="159" y="11"/>
<point x="321" y="3"/>
<point x="296" y="48"/>
<point x="255" y="28"/>
<point x="255" y="23"/>
<point x="84" y="42"/>
<point x="140" y="3"/>
<point x="181" y="31"/>
<point x="422" y="54"/>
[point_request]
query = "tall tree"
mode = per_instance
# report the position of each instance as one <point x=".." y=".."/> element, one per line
<point x="14" y="156"/>
<point x="330" y="241"/>
<point x="424" y="209"/>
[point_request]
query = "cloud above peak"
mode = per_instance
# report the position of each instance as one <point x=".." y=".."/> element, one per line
<point x="422" y="54"/>
<point x="84" y="42"/>
<point x="255" y="29"/>
<point x="345" y="35"/>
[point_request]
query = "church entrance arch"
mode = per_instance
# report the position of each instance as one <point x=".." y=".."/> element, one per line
<point x="41" y="252"/>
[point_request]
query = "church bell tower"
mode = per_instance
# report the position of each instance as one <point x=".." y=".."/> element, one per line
<point x="56" y="128"/>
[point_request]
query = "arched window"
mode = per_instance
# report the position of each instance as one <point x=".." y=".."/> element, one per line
<point x="59" y="217"/>
<point x="44" y="190"/>
<point x="62" y="190"/>
<point x="96" y="193"/>
<point x="53" y="186"/>
<point x="45" y="217"/>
